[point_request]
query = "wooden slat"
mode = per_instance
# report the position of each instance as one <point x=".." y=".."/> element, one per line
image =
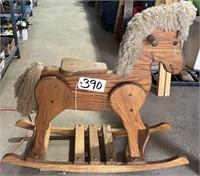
<point x="94" y="145"/>
<point x="46" y="139"/>
<point x="116" y="132"/>
<point x="161" y="81"/>
<point x="167" y="83"/>
<point x="79" y="151"/>
<point x="109" y="145"/>
<point x="164" y="82"/>
<point x="119" y="12"/>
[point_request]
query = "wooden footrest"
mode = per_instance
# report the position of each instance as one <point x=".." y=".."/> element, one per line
<point x="101" y="155"/>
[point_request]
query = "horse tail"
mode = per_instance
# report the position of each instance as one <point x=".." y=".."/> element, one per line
<point x="24" y="88"/>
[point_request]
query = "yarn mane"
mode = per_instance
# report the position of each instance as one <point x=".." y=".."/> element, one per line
<point x="24" y="89"/>
<point x="175" y="17"/>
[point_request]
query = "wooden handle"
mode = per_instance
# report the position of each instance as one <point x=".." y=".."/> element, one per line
<point x="151" y="39"/>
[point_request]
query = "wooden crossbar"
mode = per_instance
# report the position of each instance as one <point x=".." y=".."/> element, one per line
<point x="109" y="145"/>
<point x="94" y="145"/>
<point x="79" y="151"/>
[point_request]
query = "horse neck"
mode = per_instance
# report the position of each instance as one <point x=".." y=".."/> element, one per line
<point x="142" y="71"/>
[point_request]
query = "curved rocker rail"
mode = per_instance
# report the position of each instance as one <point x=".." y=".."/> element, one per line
<point x="102" y="168"/>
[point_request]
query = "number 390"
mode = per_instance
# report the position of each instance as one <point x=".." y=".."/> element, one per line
<point x="93" y="83"/>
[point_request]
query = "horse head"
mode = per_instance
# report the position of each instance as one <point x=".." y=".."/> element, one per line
<point x="176" y="17"/>
<point x="165" y="48"/>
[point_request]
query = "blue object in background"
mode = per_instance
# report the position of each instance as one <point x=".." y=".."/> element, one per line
<point x="28" y="8"/>
<point x="108" y="15"/>
<point x="147" y="4"/>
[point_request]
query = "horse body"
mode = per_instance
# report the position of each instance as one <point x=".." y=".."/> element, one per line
<point x="170" y="55"/>
<point x="126" y="87"/>
<point x="130" y="90"/>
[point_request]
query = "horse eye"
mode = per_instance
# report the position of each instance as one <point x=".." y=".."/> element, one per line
<point x="174" y="43"/>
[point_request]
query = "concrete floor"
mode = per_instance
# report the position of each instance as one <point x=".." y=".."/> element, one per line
<point x="70" y="29"/>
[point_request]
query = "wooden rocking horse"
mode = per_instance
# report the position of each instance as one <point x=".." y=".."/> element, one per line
<point x="81" y="85"/>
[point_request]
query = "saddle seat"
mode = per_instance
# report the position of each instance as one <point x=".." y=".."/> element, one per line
<point x="73" y="67"/>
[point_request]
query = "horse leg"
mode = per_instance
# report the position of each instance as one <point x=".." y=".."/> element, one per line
<point x="126" y="100"/>
<point x="52" y="96"/>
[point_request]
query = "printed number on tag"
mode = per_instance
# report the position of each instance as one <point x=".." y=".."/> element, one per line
<point x="92" y="84"/>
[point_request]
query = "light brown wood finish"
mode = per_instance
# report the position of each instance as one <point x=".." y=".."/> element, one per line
<point x="30" y="156"/>
<point x="161" y="81"/>
<point x="73" y="67"/>
<point x="165" y="52"/>
<point x="174" y="56"/>
<point x="116" y="132"/>
<point x="109" y="144"/>
<point x="142" y="140"/>
<point x="95" y="101"/>
<point x="168" y="2"/>
<point x="46" y="139"/>
<point x="143" y="136"/>
<point x="168" y="83"/>
<point x="164" y="80"/>
<point x="79" y="151"/>
<point x="94" y="145"/>
<point x="159" y="2"/>
<point x="134" y="164"/>
<point x="159" y="127"/>
<point x="119" y="168"/>
<point x="55" y="92"/>
<point x="25" y="124"/>
<point x="49" y="95"/>
<point x="124" y="100"/>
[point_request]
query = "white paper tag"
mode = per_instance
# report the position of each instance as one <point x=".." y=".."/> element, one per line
<point x="2" y="55"/>
<point x="92" y="84"/>
<point x="25" y="34"/>
<point x="2" y="65"/>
